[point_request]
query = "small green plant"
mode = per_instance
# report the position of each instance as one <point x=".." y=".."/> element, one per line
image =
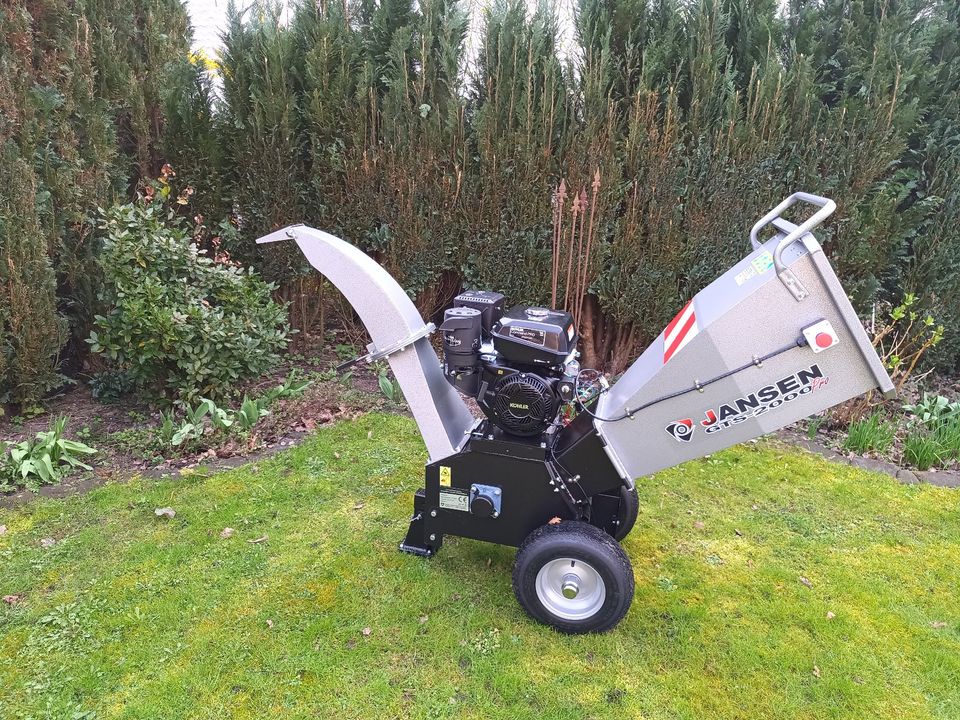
<point x="192" y="426"/>
<point x="947" y="436"/>
<point x="221" y="418"/>
<point x="43" y="460"/>
<point x="293" y="386"/>
<point x="110" y="385"/>
<point x="174" y="432"/>
<point x="813" y="425"/>
<point x="26" y="413"/>
<point x="168" y="428"/>
<point x="387" y="386"/>
<point x="901" y="340"/>
<point x="250" y="413"/>
<point x="922" y="450"/>
<point x="905" y="338"/>
<point x="934" y="410"/>
<point x="345" y="352"/>
<point x="870" y="434"/>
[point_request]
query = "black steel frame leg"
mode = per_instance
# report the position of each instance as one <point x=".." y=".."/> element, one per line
<point x="417" y="542"/>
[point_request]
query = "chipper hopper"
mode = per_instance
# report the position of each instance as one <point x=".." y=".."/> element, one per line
<point x="771" y="341"/>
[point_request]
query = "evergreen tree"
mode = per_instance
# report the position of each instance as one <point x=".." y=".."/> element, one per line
<point x="80" y="109"/>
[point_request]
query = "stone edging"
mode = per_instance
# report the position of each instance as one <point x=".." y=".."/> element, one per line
<point x="941" y="478"/>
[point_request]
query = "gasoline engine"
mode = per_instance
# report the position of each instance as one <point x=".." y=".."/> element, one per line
<point x="521" y="365"/>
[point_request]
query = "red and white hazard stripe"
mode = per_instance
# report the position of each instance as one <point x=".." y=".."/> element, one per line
<point x="681" y="330"/>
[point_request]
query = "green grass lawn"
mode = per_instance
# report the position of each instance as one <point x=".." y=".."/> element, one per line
<point x="738" y="558"/>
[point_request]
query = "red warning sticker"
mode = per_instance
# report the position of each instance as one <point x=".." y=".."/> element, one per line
<point x="681" y="330"/>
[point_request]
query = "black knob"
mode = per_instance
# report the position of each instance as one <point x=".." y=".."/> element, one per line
<point x="481" y="506"/>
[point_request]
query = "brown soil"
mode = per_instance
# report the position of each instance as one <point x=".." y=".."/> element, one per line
<point x="123" y="432"/>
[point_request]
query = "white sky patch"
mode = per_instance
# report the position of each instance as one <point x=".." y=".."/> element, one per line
<point x="209" y="20"/>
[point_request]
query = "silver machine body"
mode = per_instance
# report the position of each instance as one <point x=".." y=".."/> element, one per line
<point x="764" y="302"/>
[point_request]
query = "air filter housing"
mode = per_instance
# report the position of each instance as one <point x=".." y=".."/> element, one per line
<point x="535" y="336"/>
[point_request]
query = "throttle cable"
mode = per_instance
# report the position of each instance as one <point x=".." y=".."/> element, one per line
<point x="756" y="362"/>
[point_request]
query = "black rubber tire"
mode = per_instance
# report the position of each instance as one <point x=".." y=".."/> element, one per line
<point x="627" y="515"/>
<point x="579" y="541"/>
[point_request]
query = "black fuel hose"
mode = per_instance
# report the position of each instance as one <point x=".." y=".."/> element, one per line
<point x="756" y="362"/>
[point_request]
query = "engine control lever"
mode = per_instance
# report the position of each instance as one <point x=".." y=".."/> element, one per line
<point x="379" y="354"/>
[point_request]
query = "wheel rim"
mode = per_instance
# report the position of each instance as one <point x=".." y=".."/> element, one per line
<point x="570" y="589"/>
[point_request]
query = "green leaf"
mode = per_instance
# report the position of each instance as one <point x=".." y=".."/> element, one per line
<point x="45" y="469"/>
<point x="386" y="386"/>
<point x="75" y="446"/>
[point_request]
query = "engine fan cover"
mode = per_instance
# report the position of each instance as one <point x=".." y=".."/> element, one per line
<point x="522" y="404"/>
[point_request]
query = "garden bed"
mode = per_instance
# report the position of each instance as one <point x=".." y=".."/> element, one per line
<point x="915" y="437"/>
<point x="125" y="432"/>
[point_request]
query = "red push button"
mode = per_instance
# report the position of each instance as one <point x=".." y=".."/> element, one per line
<point x="820" y="336"/>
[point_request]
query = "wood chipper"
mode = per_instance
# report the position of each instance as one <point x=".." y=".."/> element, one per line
<point x="771" y="341"/>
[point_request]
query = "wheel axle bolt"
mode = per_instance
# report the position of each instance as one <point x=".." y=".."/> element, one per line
<point x="433" y="513"/>
<point x="570" y="586"/>
<point x="432" y="536"/>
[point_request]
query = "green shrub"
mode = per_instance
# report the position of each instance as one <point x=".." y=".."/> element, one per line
<point x="922" y="450"/>
<point x="80" y="118"/>
<point x="109" y="385"/>
<point x="179" y="324"/>
<point x="42" y="460"/>
<point x="934" y="410"/>
<point x="32" y="331"/>
<point x="873" y="433"/>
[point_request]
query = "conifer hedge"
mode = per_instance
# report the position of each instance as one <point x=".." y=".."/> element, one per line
<point x="81" y="88"/>
<point x="671" y="125"/>
<point x="674" y="125"/>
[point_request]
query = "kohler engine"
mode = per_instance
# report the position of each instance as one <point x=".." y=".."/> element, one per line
<point x="520" y="365"/>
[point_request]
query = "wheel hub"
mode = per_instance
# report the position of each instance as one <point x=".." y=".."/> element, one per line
<point x="570" y="588"/>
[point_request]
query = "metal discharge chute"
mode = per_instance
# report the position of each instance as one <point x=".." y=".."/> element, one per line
<point x="772" y="340"/>
<point x="398" y="333"/>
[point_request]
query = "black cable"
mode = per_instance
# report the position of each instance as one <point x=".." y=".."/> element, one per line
<point x="756" y="362"/>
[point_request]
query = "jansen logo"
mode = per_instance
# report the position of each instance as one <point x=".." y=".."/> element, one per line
<point x="757" y="403"/>
<point x="682" y="430"/>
